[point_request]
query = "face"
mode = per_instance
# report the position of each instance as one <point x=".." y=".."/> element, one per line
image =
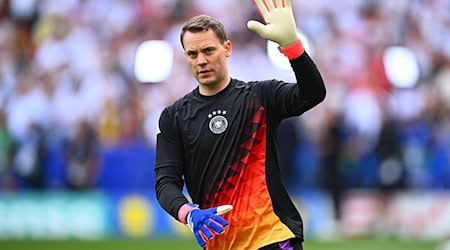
<point x="207" y="58"/>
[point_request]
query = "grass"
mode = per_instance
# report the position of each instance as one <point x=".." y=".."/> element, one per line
<point x="370" y="244"/>
<point x="174" y="244"/>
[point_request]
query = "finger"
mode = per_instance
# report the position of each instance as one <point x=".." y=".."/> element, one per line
<point x="279" y="3"/>
<point x="216" y="218"/>
<point x="257" y="27"/>
<point x="205" y="231"/>
<point x="262" y="7"/>
<point x="220" y="220"/>
<point x="200" y="238"/>
<point x="270" y="5"/>
<point x="224" y="209"/>
<point x="288" y="3"/>
<point x="217" y="225"/>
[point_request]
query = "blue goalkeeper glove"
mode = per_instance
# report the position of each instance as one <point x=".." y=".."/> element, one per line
<point x="204" y="223"/>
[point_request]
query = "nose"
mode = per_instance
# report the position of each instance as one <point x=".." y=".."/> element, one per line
<point x="201" y="59"/>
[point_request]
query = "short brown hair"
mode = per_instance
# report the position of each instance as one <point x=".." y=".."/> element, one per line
<point x="203" y="23"/>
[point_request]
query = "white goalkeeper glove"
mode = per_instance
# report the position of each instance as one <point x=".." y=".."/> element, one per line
<point x="280" y="23"/>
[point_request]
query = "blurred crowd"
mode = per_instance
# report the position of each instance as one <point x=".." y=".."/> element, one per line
<point x="67" y="82"/>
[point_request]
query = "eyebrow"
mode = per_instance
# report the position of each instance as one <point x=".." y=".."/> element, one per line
<point x="211" y="47"/>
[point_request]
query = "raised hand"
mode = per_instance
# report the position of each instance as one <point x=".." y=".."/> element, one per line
<point x="280" y="23"/>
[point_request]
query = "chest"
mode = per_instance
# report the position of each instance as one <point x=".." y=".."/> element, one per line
<point x="212" y="127"/>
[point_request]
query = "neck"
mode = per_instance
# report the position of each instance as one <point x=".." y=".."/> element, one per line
<point x="210" y="90"/>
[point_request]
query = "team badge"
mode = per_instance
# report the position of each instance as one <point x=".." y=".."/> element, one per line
<point x="218" y="123"/>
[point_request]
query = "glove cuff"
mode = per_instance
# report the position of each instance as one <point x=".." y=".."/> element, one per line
<point x="294" y="50"/>
<point x="184" y="211"/>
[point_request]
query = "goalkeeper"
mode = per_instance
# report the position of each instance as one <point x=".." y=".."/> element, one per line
<point x="220" y="139"/>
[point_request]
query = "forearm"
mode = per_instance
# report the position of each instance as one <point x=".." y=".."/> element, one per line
<point x="309" y="80"/>
<point x="169" y="194"/>
<point x="204" y="223"/>
<point x="280" y="28"/>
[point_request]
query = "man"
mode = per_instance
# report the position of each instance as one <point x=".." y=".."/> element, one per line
<point x="220" y="139"/>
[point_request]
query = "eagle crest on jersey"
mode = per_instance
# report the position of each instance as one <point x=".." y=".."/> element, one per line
<point x="218" y="123"/>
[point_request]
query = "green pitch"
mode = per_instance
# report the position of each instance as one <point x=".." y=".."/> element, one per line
<point x="171" y="244"/>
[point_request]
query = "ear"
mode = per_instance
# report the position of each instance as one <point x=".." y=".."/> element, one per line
<point x="228" y="48"/>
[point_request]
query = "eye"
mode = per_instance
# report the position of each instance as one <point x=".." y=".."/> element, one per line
<point x="209" y="50"/>
<point x="191" y="54"/>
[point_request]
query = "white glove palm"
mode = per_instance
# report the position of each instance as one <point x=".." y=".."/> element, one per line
<point x="280" y="23"/>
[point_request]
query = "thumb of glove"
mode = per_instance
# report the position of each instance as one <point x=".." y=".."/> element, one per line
<point x="258" y="28"/>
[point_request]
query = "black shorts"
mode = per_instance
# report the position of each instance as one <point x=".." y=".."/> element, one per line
<point x="292" y="244"/>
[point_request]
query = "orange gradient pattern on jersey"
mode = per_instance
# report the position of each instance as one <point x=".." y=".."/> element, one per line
<point x="253" y="222"/>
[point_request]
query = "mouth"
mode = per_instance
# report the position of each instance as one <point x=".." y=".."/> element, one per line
<point x="204" y="72"/>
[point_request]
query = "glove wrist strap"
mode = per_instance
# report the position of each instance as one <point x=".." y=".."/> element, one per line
<point x="184" y="211"/>
<point x="294" y="50"/>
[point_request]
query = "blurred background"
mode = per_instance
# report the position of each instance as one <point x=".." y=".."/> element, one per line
<point x="82" y="84"/>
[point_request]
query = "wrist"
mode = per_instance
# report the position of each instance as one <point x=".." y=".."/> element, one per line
<point x="184" y="211"/>
<point x="294" y="50"/>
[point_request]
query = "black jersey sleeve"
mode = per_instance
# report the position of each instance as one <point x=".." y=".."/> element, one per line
<point x="309" y="80"/>
<point x="169" y="166"/>
<point x="284" y="100"/>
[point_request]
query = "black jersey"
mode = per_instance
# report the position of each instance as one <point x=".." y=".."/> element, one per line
<point x="223" y="147"/>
